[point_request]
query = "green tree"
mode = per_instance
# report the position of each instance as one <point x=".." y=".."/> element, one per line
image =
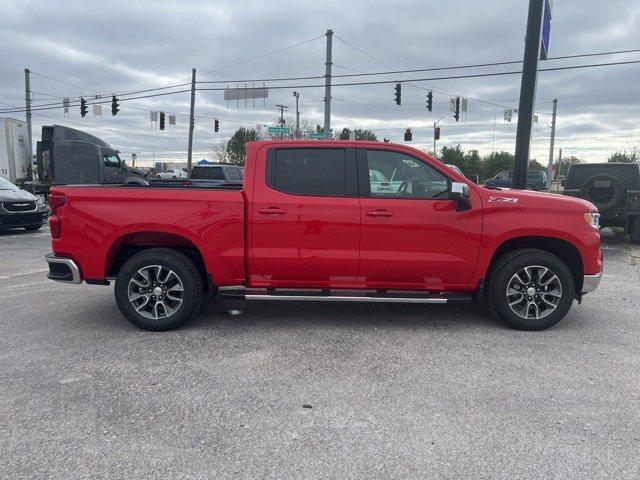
<point x="536" y="165"/>
<point x="453" y="156"/>
<point x="473" y="165"/>
<point x="496" y="162"/>
<point x="359" y="134"/>
<point x="564" y="166"/>
<point x="624" y="157"/>
<point x="237" y="145"/>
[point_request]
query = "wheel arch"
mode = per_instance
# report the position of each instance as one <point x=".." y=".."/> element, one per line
<point x="563" y="249"/>
<point x="131" y="243"/>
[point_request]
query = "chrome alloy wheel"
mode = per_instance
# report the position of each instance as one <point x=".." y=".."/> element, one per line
<point x="155" y="292"/>
<point x="534" y="292"/>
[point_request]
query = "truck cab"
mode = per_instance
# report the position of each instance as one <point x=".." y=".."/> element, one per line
<point x="66" y="156"/>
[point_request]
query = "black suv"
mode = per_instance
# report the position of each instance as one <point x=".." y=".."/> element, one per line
<point x="612" y="187"/>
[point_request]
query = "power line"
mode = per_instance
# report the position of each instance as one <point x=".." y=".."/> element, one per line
<point x="266" y="54"/>
<point x="450" y="77"/>
<point x="93" y="102"/>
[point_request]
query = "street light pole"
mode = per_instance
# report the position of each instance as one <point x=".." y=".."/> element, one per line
<point x="297" y="97"/>
<point x="327" y="88"/>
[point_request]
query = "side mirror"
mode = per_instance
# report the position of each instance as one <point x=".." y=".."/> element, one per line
<point x="460" y="193"/>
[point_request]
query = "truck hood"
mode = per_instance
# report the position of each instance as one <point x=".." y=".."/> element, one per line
<point x="537" y="199"/>
<point x="16" y="195"/>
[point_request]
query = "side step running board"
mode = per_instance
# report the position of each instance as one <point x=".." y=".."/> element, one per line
<point x="339" y="295"/>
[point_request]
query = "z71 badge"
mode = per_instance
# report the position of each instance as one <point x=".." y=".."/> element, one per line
<point x="503" y="200"/>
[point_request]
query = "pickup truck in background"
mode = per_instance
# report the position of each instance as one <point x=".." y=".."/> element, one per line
<point x="311" y="222"/>
<point x="216" y="174"/>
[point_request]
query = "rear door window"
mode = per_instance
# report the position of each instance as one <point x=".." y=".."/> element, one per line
<point x="308" y="171"/>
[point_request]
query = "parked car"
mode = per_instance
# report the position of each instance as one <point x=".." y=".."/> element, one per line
<point x="614" y="188"/>
<point x="19" y="208"/>
<point x="308" y="224"/>
<point x="536" y="180"/>
<point x="216" y="174"/>
<point x="171" y="174"/>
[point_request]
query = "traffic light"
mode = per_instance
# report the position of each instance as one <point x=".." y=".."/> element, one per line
<point x="398" y="93"/>
<point x="83" y="107"/>
<point x="114" y="105"/>
<point x="408" y="136"/>
<point x="436" y="133"/>
<point x="161" y="120"/>
<point x="429" y="101"/>
<point x="456" y="112"/>
<point x="216" y="125"/>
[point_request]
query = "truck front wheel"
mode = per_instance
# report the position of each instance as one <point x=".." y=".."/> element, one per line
<point x="530" y="289"/>
<point x="158" y="289"/>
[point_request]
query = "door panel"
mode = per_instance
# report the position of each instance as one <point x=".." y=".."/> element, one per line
<point x="300" y="237"/>
<point x="412" y="237"/>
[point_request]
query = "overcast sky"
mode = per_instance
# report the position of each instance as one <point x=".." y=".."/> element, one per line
<point x="109" y="47"/>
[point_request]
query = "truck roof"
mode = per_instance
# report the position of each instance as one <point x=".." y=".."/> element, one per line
<point x="336" y="143"/>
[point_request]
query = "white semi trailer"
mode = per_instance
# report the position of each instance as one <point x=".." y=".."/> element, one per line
<point x="15" y="164"/>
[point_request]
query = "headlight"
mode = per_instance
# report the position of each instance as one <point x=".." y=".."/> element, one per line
<point x="39" y="202"/>
<point x="593" y="219"/>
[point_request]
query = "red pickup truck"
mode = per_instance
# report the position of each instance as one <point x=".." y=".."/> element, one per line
<point x="328" y="221"/>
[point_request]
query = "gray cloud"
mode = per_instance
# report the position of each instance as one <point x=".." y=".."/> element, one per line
<point x="116" y="46"/>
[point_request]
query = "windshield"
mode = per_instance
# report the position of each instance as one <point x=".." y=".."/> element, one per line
<point x="6" y="184"/>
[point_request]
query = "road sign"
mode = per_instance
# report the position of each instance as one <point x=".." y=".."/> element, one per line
<point x="317" y="135"/>
<point x="246" y="93"/>
<point x="279" y="129"/>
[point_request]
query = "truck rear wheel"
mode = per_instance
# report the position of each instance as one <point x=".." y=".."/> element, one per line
<point x="158" y="289"/>
<point x="530" y="289"/>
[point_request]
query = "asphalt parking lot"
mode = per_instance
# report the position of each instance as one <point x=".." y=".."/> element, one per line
<point x="396" y="391"/>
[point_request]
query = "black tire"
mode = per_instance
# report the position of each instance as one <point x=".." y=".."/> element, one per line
<point x="174" y="178"/>
<point x="502" y="273"/>
<point x="187" y="274"/>
<point x="31" y="228"/>
<point x="603" y="198"/>
<point x="158" y="177"/>
<point x="634" y="231"/>
<point x="531" y="187"/>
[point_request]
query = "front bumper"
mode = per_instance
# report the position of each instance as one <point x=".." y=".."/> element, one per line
<point x="63" y="269"/>
<point x="20" y="219"/>
<point x="590" y="282"/>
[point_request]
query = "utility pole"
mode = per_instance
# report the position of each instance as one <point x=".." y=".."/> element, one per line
<point x="191" y="120"/>
<point x="27" y="99"/>
<point x="527" y="93"/>
<point x="281" y="121"/>
<point x="327" y="88"/>
<point x="559" y="169"/>
<point x="553" y="137"/>
<point x="297" y="97"/>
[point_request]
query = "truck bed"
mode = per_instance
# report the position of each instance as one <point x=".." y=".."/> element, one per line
<point x="99" y="221"/>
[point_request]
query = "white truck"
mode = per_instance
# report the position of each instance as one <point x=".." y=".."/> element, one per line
<point x="15" y="161"/>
